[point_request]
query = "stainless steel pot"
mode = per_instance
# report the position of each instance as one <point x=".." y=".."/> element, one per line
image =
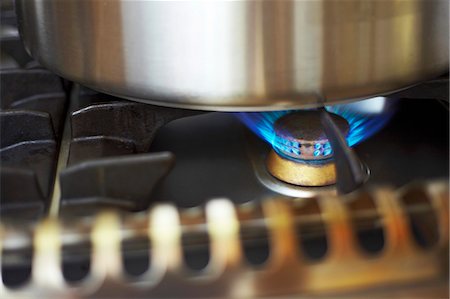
<point x="244" y="55"/>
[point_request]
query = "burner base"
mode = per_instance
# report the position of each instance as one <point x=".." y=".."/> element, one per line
<point x="301" y="174"/>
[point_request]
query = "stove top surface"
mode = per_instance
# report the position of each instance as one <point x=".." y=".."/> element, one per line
<point x="70" y="152"/>
<point x="214" y="154"/>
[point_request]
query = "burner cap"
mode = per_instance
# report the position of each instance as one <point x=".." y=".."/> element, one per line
<point x="300" y="135"/>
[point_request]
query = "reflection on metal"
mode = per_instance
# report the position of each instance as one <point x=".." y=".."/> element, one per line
<point x="346" y="267"/>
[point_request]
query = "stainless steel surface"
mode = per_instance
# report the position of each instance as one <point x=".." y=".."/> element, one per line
<point x="347" y="268"/>
<point x="244" y="55"/>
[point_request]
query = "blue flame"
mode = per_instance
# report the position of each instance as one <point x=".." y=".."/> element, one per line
<point x="261" y="123"/>
<point x="364" y="117"/>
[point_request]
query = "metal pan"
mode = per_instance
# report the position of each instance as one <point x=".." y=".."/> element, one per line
<point x="241" y="55"/>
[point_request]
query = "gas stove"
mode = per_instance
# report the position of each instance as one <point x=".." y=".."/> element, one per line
<point x="104" y="197"/>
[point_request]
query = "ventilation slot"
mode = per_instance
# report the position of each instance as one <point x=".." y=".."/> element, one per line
<point x="76" y="261"/>
<point x="253" y="234"/>
<point x="16" y="268"/>
<point x="422" y="219"/>
<point x="136" y="255"/>
<point x="367" y="224"/>
<point x="195" y="239"/>
<point x="255" y="245"/>
<point x="311" y="230"/>
<point x="196" y="250"/>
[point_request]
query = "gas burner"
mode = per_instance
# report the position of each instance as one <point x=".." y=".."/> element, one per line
<point x="300" y="136"/>
<point x="302" y="154"/>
